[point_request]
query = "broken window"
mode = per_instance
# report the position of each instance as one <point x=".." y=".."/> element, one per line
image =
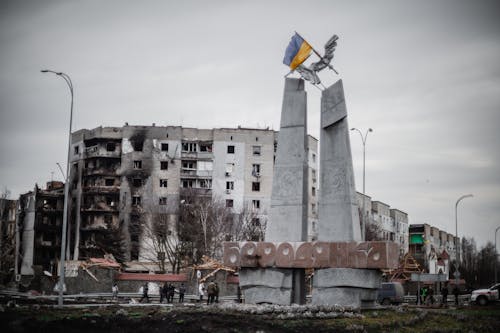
<point x="109" y="182"/>
<point x="137" y="144"/>
<point x="229" y="203"/>
<point x="314" y="157"/>
<point x="189" y="165"/>
<point x="206" y="147"/>
<point x="110" y="146"/>
<point x="163" y="165"/>
<point x="313" y="208"/>
<point x="256" y="150"/>
<point x="230" y="149"/>
<point x="163" y="182"/>
<point x="136" y="200"/>
<point x="256" y="204"/>
<point x="137" y="182"/>
<point x="256" y="170"/>
<point x="190" y="147"/>
<point x="206" y="183"/>
<point x="256" y="186"/>
<point x="229" y="185"/>
<point x="77" y="150"/>
<point x="108" y="219"/>
<point x="313" y="190"/>
<point x="164" y="147"/>
<point x="256" y="221"/>
<point x="110" y="201"/>
<point x="187" y="183"/>
<point x="163" y="201"/>
<point x="313" y="174"/>
<point x="138" y="164"/>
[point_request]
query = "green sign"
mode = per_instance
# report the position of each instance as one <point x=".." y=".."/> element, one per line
<point x="416" y="239"/>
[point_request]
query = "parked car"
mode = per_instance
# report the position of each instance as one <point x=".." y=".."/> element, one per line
<point x="483" y="296"/>
<point x="390" y="293"/>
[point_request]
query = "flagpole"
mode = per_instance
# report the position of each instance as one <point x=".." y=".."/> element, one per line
<point x="317" y="53"/>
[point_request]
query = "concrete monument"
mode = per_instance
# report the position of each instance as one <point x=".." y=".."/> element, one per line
<point x="288" y="216"/>
<point x="338" y="216"/>
<point x="347" y="270"/>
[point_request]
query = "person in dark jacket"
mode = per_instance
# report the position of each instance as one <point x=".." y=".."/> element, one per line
<point x="211" y="293"/>
<point x="163" y="292"/>
<point x="145" y="295"/>
<point x="182" y="291"/>
<point x="456" y="292"/>
<point x="216" y="292"/>
<point x="444" y="295"/>
<point x="171" y="292"/>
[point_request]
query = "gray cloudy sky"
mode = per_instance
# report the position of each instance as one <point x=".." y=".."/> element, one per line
<point x="425" y="75"/>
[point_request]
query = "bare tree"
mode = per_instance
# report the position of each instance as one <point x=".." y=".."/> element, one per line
<point x="373" y="231"/>
<point x="249" y="225"/>
<point x="161" y="242"/>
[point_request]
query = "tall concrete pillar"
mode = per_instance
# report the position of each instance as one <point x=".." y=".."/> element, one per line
<point x="288" y="215"/>
<point x="338" y="216"/>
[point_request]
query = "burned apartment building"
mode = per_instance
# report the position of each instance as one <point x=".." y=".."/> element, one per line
<point x="8" y="210"/>
<point x="121" y="177"/>
<point x="40" y="214"/>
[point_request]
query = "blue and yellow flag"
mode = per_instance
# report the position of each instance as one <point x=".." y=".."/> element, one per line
<point x="297" y="52"/>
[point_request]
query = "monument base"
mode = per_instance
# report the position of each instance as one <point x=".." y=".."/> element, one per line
<point x="281" y="286"/>
<point x="356" y="288"/>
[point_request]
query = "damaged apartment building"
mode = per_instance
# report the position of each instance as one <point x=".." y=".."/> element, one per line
<point x="122" y="176"/>
<point x="39" y="226"/>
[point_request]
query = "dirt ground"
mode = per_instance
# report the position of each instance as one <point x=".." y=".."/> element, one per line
<point x="35" y="318"/>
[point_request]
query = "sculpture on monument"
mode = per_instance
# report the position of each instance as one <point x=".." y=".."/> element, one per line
<point x="347" y="270"/>
<point x="299" y="50"/>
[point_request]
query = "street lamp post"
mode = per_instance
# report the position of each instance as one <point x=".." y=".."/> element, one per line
<point x="496" y="255"/>
<point x="457" y="250"/>
<point x="62" y="272"/>
<point x="363" y="140"/>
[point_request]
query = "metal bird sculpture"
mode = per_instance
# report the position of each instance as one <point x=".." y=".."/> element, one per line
<point x="309" y="73"/>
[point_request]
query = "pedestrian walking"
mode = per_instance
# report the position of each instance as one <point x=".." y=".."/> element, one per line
<point x="163" y="292"/>
<point x="201" y="290"/>
<point x="456" y="292"/>
<point x="444" y="295"/>
<point x="430" y="296"/>
<point x="182" y="291"/>
<point x="170" y="294"/>
<point x="211" y="293"/>
<point x="238" y="295"/>
<point x="145" y="295"/>
<point x="114" y="290"/>
<point x="216" y="293"/>
<point x="424" y="295"/>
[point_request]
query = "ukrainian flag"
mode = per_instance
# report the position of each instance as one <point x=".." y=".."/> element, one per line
<point x="297" y="52"/>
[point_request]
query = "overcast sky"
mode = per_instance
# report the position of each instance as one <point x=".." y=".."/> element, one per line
<point x="425" y="75"/>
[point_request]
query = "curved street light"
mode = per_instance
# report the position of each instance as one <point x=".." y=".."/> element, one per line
<point x="363" y="140"/>
<point x="62" y="272"/>
<point x="457" y="250"/>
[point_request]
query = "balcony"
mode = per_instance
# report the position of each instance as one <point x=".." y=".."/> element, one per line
<point x="100" y="208"/>
<point x="101" y="189"/>
<point x="192" y="191"/>
<point x="196" y="173"/>
<point x="100" y="171"/>
<point x="98" y="151"/>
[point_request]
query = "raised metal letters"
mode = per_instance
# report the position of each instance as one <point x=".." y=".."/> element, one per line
<point x="372" y="255"/>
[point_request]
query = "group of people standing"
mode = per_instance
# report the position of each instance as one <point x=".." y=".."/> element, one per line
<point x="426" y="295"/>
<point x="212" y="292"/>
<point x="167" y="291"/>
